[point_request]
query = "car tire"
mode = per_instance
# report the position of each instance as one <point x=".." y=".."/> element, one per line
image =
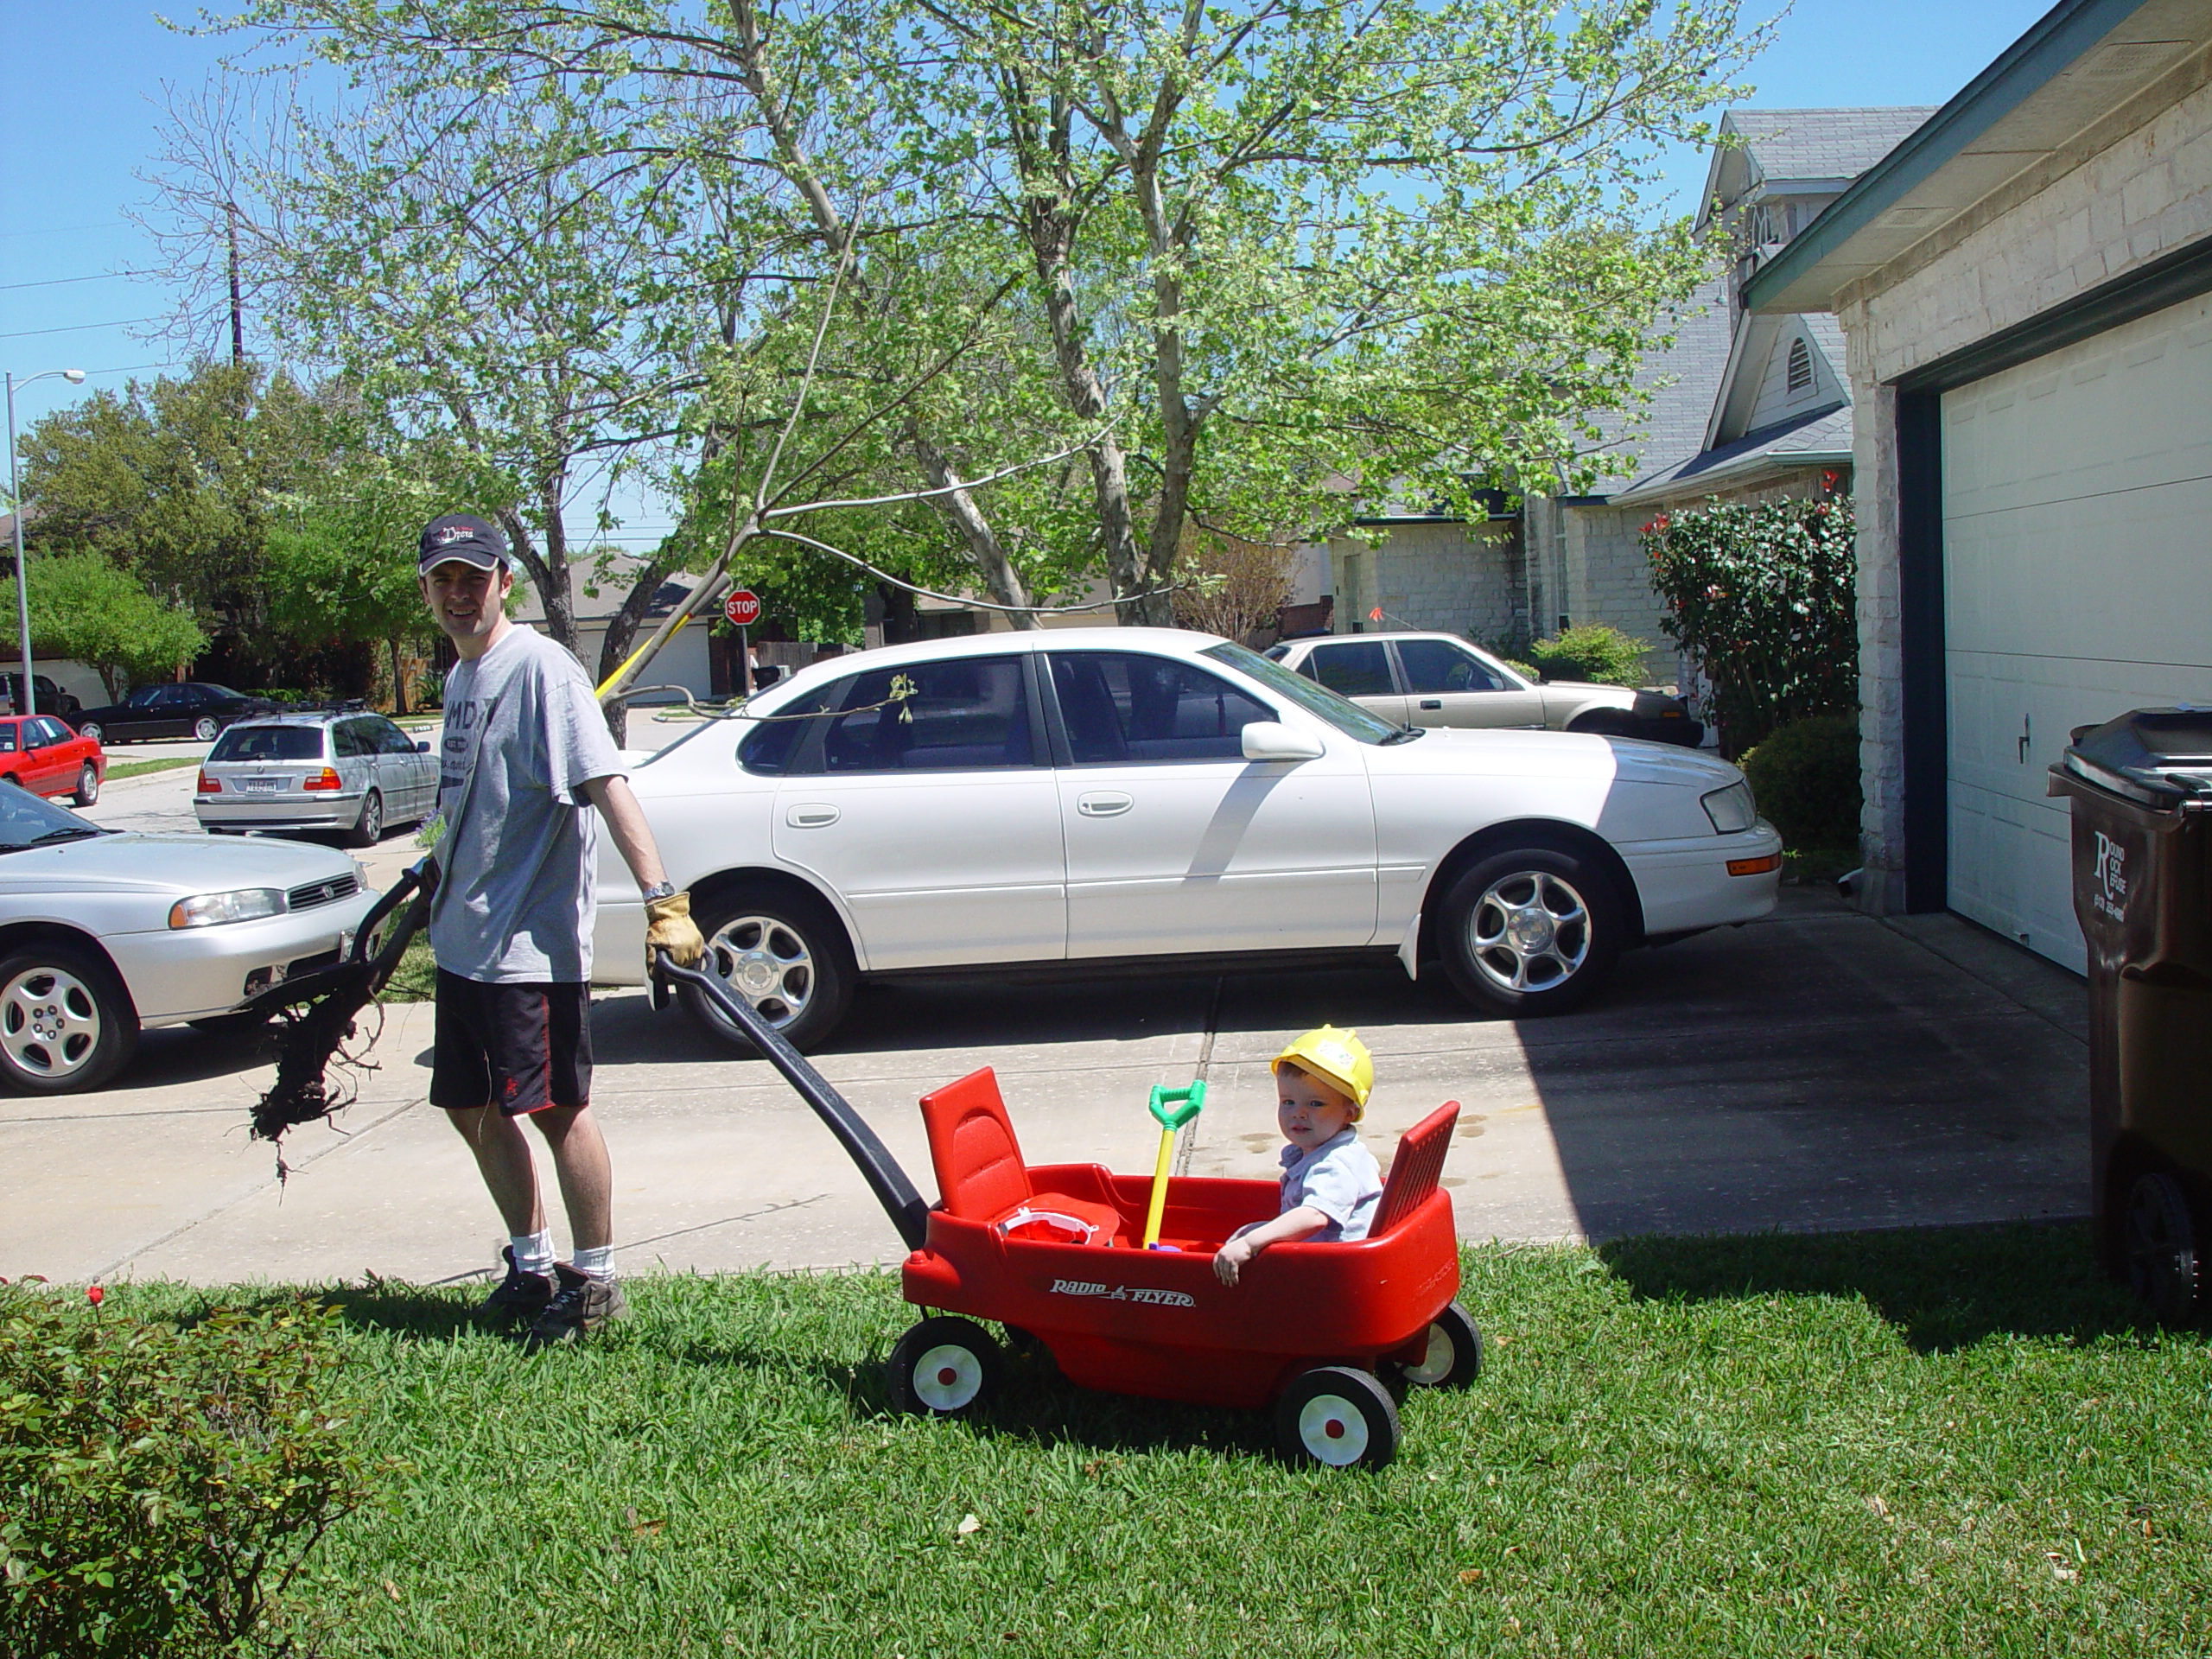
<point x="2164" y="1259"/>
<point x="207" y="728"/>
<point x="1455" y="1352"/>
<point x="782" y="951"/>
<point x="88" y="785"/>
<point x="368" y="829"/>
<point x="1531" y="931"/>
<point x="93" y="729"/>
<point x="944" y="1367"/>
<point x="1337" y="1417"/>
<point x="66" y="1022"/>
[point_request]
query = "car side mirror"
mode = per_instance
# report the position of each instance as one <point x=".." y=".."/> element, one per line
<point x="1270" y="739"/>
<point x="422" y="745"/>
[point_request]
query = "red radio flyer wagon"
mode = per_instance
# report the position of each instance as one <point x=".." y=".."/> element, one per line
<point x="1048" y="1252"/>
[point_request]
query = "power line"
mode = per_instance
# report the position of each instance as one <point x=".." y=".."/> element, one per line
<point x="56" y="282"/>
<point x="63" y="230"/>
<point x="77" y="327"/>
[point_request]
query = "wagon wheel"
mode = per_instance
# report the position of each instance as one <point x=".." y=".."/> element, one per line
<point x="1455" y="1352"/>
<point x="1337" y="1416"/>
<point x="943" y="1368"/>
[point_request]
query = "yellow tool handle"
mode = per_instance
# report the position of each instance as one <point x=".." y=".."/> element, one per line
<point x="633" y="657"/>
<point x="1158" y="1188"/>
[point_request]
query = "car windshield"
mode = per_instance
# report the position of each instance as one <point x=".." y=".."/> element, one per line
<point x="253" y="743"/>
<point x="27" y="820"/>
<point x="1346" y="717"/>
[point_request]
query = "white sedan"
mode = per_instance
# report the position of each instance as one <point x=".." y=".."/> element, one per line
<point x="104" y="932"/>
<point x="1150" y="795"/>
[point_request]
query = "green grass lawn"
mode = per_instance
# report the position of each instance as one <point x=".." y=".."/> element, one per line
<point x="1953" y="1443"/>
<point x="120" y="769"/>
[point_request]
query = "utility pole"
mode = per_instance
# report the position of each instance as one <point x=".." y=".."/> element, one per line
<point x="237" y="312"/>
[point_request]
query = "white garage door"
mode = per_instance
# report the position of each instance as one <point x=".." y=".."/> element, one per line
<point x="2077" y="551"/>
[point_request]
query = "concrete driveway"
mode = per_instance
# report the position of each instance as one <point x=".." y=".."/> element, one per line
<point x="1819" y="1070"/>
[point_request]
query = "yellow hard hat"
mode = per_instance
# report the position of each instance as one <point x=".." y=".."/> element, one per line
<point x="1336" y="1057"/>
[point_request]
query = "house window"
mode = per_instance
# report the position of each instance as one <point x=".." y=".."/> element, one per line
<point x="1801" y="365"/>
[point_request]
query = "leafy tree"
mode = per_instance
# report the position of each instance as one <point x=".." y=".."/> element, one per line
<point x="1762" y="596"/>
<point x="1226" y="255"/>
<point x="341" y="564"/>
<point x="489" y="283"/>
<point x="172" y="480"/>
<point x="84" y="606"/>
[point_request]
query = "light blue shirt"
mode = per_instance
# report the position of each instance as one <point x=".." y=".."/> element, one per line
<point x="1340" y="1178"/>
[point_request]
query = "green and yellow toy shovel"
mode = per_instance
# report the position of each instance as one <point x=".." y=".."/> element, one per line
<point x="1174" y="1108"/>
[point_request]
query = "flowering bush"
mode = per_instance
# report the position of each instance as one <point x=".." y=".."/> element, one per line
<point x="1763" y="598"/>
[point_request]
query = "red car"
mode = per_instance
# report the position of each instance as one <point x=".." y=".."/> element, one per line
<point x="44" y="756"/>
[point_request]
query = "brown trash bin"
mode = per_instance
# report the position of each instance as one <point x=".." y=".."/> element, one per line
<point x="2140" y="788"/>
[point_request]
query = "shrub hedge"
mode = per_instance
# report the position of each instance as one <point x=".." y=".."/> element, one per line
<point x="1593" y="651"/>
<point x="1806" y="777"/>
<point x="161" y="1483"/>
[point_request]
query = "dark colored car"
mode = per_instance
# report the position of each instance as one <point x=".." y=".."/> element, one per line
<point x="52" y="699"/>
<point x="190" y="709"/>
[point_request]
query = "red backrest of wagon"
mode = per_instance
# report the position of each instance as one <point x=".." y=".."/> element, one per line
<point x="979" y="1167"/>
<point x="1414" y="1171"/>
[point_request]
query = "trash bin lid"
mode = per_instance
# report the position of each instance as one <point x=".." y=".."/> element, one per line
<point x="2161" y="757"/>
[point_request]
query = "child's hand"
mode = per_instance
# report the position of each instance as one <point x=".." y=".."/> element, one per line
<point x="1230" y="1258"/>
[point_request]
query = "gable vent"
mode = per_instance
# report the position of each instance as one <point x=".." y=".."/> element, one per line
<point x="1801" y="365"/>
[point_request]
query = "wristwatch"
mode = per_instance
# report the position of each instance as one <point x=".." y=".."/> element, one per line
<point x="659" y="890"/>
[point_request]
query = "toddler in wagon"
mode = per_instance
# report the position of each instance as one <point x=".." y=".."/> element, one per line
<point x="1330" y="1183"/>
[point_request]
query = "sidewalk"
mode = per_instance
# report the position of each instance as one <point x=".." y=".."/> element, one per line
<point x="1820" y="1070"/>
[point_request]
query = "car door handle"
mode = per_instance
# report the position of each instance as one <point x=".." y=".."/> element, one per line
<point x="1432" y="703"/>
<point x="1103" y="805"/>
<point x="810" y="817"/>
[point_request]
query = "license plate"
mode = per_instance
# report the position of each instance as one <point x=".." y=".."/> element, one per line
<point x="261" y="785"/>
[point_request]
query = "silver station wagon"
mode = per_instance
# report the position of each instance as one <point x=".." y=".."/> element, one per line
<point x="348" y="771"/>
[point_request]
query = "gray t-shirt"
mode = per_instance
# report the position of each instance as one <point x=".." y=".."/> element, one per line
<point x="518" y="864"/>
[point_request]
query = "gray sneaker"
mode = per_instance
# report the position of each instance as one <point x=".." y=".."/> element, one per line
<point x="521" y="1295"/>
<point x="580" y="1306"/>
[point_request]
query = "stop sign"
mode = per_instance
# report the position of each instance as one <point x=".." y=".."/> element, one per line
<point x="742" y="607"/>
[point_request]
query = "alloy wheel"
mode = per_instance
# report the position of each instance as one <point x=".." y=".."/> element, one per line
<point x="766" y="961"/>
<point x="49" y="1023"/>
<point x="1529" y="931"/>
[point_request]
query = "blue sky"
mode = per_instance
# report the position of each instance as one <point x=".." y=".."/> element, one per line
<point x="82" y="82"/>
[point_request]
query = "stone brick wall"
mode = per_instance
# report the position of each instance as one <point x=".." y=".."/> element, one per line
<point x="1442" y="574"/>
<point x="2136" y="185"/>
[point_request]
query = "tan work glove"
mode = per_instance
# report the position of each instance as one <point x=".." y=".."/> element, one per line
<point x="669" y="926"/>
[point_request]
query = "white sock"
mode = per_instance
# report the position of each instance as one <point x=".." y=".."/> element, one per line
<point x="599" y="1263"/>
<point x="534" y="1252"/>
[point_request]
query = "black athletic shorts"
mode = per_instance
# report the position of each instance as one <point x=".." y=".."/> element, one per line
<point x="521" y="1047"/>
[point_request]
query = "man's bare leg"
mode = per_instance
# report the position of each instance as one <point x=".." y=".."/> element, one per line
<point x="586" y="1176"/>
<point x="503" y="1159"/>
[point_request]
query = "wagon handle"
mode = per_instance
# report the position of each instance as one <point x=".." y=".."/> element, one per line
<point x="908" y="1209"/>
<point x="1174" y="1108"/>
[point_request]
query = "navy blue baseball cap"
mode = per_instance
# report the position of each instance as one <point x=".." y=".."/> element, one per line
<point x="464" y="536"/>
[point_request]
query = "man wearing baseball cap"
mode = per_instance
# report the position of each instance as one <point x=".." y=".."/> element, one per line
<point x="527" y="772"/>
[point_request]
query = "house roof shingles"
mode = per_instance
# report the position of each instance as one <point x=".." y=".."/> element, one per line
<point x="1823" y="143"/>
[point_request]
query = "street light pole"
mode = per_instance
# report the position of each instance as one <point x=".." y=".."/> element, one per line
<point x="75" y="377"/>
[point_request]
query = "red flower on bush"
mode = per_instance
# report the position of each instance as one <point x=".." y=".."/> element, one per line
<point x="94" y="1294"/>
